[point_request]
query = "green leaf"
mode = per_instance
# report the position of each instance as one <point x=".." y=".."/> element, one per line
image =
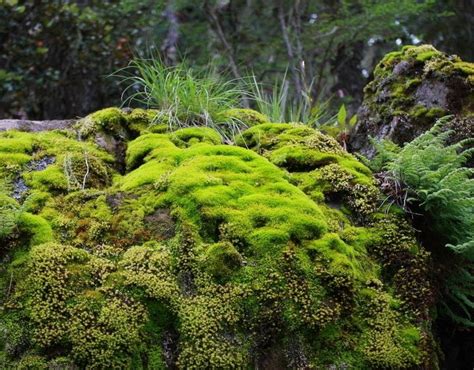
<point x="353" y="120"/>
<point x="342" y="115"/>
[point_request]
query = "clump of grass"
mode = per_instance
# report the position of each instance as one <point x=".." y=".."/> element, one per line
<point x="281" y="106"/>
<point x="183" y="96"/>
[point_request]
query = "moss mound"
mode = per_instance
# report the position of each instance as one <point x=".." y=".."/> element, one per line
<point x="411" y="89"/>
<point x="271" y="253"/>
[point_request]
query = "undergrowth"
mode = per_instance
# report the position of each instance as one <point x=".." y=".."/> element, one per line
<point x="432" y="175"/>
<point x="280" y="105"/>
<point x="183" y="96"/>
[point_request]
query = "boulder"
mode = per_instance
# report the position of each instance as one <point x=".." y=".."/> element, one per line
<point x="274" y="252"/>
<point x="410" y="90"/>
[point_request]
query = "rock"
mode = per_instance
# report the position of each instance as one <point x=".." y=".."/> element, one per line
<point x="274" y="252"/>
<point x="35" y="126"/>
<point x="411" y="89"/>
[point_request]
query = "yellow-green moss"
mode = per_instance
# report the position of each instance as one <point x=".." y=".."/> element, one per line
<point x="214" y="249"/>
<point x="36" y="227"/>
<point x="247" y="117"/>
<point x="221" y="259"/>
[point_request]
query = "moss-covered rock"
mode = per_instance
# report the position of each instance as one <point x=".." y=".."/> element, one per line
<point x="411" y="89"/>
<point x="203" y="255"/>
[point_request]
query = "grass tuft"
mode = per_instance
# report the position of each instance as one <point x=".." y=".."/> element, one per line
<point x="183" y="96"/>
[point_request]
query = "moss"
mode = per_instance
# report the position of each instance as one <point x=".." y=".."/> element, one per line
<point x="464" y="67"/>
<point x="254" y="193"/>
<point x="316" y="164"/>
<point x="141" y="120"/>
<point x="188" y="136"/>
<point x="247" y="117"/>
<point x="142" y="146"/>
<point x="35" y="201"/>
<point x="15" y="150"/>
<point x="421" y="112"/>
<point x="221" y="259"/>
<point x="426" y="55"/>
<point x="14" y="141"/>
<point x="424" y="63"/>
<point x="388" y="343"/>
<point x="36" y="227"/>
<point x="108" y="119"/>
<point x="13" y="160"/>
<point x="214" y="249"/>
<point x="31" y="362"/>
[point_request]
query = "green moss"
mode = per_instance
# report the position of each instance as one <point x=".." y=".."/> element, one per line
<point x="247" y="117"/>
<point x="35" y="201"/>
<point x="108" y="119"/>
<point x="341" y="256"/>
<point x="16" y="142"/>
<point x="15" y="150"/>
<point x="57" y="163"/>
<point x="221" y="259"/>
<point x="213" y="249"/>
<point x="52" y="178"/>
<point x="138" y="149"/>
<point x="316" y="163"/>
<point x="423" y="62"/>
<point x="13" y="160"/>
<point x="188" y="136"/>
<point x="387" y="342"/>
<point x="137" y="116"/>
<point x="464" y="67"/>
<point x="36" y="227"/>
<point x="426" y="55"/>
<point x="31" y="362"/>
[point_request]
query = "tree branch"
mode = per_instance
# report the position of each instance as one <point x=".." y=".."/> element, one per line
<point x="289" y="50"/>
<point x="214" y="20"/>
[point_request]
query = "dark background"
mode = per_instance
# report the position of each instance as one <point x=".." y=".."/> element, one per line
<point x="55" y="56"/>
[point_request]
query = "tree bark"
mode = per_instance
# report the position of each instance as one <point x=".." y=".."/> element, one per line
<point x="170" y="44"/>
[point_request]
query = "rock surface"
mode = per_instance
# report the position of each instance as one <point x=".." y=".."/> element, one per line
<point x="410" y="90"/>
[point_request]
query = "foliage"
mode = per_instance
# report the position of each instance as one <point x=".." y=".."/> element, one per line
<point x="433" y="176"/>
<point x="54" y="54"/>
<point x="281" y="106"/>
<point x="182" y="96"/>
<point x="341" y="127"/>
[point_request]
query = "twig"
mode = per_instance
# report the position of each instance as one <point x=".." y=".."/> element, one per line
<point x="87" y="172"/>
<point x="9" y="286"/>
<point x="214" y="20"/>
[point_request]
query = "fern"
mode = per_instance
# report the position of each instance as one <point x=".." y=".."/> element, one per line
<point x="434" y="176"/>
